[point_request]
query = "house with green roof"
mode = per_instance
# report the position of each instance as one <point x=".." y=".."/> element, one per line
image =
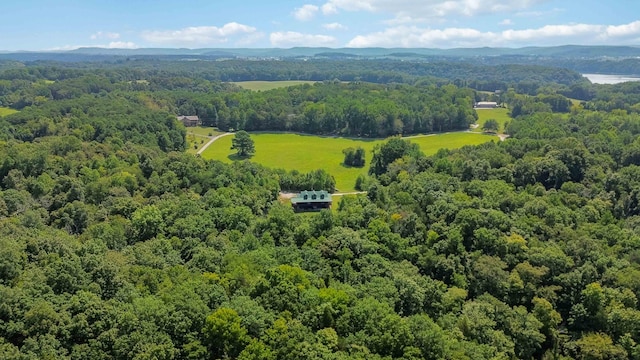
<point x="311" y="200"/>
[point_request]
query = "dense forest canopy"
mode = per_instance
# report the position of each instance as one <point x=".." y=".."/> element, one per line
<point x="472" y="74"/>
<point x="116" y="244"/>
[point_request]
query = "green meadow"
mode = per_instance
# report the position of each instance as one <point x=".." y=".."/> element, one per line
<point x="499" y="114"/>
<point x="4" y="111"/>
<point x="307" y="152"/>
<point x="195" y="142"/>
<point x="203" y="131"/>
<point x="197" y="137"/>
<point x="269" y="85"/>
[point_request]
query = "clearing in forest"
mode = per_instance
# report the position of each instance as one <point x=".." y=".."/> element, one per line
<point x="308" y="152"/>
<point x="269" y="85"/>
<point x="4" y="111"/>
<point x="198" y="136"/>
<point x="499" y="114"/>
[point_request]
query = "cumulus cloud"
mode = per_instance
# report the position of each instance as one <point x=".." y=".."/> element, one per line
<point x="413" y="36"/>
<point x="334" y="26"/>
<point x="104" y="35"/>
<point x="200" y="35"/>
<point x="306" y="12"/>
<point x="121" y="45"/>
<point x="631" y="29"/>
<point x="292" y="38"/>
<point x="506" y="22"/>
<point x="329" y="9"/>
<point x="419" y="10"/>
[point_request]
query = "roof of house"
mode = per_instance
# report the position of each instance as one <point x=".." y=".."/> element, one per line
<point x="183" y="117"/>
<point x="310" y="196"/>
<point x="486" y="103"/>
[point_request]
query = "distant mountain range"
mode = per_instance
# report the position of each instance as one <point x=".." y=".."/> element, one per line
<point x="619" y="60"/>
<point x="566" y="51"/>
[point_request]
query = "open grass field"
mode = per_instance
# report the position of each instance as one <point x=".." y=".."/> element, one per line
<point x="500" y="114"/>
<point x="575" y="102"/>
<point x="306" y="152"/>
<point x="4" y="111"/>
<point x="269" y="85"/>
<point x="204" y="131"/>
<point x="197" y="137"/>
<point x="430" y="144"/>
<point x="195" y="142"/>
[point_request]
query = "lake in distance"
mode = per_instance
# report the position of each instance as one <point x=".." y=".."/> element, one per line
<point x="609" y="79"/>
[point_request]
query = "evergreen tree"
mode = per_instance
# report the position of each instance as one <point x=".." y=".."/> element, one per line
<point x="243" y="143"/>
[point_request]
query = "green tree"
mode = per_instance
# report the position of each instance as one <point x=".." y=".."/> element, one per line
<point x="491" y="126"/>
<point x="147" y="222"/>
<point x="354" y="157"/>
<point x="224" y="333"/>
<point x="394" y="149"/>
<point x="243" y="143"/>
<point x="597" y="346"/>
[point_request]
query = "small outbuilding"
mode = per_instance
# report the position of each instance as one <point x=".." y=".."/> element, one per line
<point x="311" y="201"/>
<point x="189" y="121"/>
<point x="486" y="105"/>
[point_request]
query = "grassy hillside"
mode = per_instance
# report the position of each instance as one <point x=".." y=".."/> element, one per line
<point x="306" y="152"/>
<point x="268" y="85"/>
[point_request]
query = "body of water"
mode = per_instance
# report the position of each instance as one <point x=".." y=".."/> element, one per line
<point x="609" y="79"/>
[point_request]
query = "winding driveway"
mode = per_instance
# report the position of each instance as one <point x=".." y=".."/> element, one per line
<point x="213" y="139"/>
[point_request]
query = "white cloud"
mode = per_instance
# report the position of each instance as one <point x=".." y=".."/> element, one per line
<point x="104" y="35"/>
<point x="67" y="47"/>
<point x="121" y="45"/>
<point x="419" y="10"/>
<point x="506" y="22"/>
<point x="631" y="29"/>
<point x="413" y="36"/>
<point x="306" y="12"/>
<point x="198" y="34"/>
<point x="334" y="26"/>
<point x="551" y="31"/>
<point x="329" y="9"/>
<point x="292" y="38"/>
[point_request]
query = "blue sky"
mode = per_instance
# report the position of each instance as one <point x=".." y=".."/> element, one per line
<point x="69" y="24"/>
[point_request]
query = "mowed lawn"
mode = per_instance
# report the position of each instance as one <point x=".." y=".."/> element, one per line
<point x="430" y="144"/>
<point x="198" y="136"/>
<point x="4" y="111"/>
<point x="269" y="85"/>
<point x="203" y="131"/>
<point x="499" y="114"/>
<point x="306" y="152"/>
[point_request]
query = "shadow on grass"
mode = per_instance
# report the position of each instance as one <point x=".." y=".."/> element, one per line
<point x="326" y="136"/>
<point x="236" y="157"/>
<point x="351" y="166"/>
